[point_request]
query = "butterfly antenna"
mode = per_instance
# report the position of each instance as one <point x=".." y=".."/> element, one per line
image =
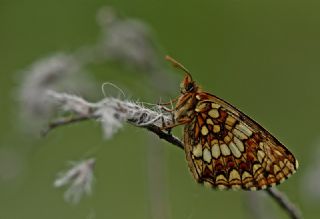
<point x="177" y="64"/>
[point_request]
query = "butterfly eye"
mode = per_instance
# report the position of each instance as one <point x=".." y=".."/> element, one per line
<point x="186" y="87"/>
<point x="189" y="87"/>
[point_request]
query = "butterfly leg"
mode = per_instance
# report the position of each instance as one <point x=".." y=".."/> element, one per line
<point x="168" y="103"/>
<point x="181" y="121"/>
<point x="163" y="107"/>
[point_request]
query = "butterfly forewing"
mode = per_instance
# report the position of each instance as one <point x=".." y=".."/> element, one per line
<point x="225" y="149"/>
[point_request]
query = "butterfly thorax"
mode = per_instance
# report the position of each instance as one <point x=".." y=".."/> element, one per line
<point x="184" y="110"/>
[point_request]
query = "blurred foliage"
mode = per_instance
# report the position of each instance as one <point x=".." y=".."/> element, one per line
<point x="262" y="56"/>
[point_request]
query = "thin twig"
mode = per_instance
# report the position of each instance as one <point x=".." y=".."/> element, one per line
<point x="138" y="119"/>
<point x="285" y="203"/>
<point x="64" y="121"/>
<point x="166" y="136"/>
<point x="70" y="120"/>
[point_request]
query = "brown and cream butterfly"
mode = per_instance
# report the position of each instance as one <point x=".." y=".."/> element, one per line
<point x="225" y="149"/>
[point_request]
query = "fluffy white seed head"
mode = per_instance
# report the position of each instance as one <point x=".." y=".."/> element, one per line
<point x="79" y="177"/>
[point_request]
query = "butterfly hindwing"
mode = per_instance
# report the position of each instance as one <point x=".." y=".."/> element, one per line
<point x="226" y="149"/>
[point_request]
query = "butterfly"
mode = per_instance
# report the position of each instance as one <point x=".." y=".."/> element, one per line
<point x="226" y="149"/>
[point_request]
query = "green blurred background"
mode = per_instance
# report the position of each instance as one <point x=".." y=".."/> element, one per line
<point x="262" y="56"/>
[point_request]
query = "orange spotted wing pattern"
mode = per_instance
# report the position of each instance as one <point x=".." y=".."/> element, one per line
<point x="225" y="149"/>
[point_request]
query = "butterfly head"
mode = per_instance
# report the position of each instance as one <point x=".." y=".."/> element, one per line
<point x="187" y="85"/>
